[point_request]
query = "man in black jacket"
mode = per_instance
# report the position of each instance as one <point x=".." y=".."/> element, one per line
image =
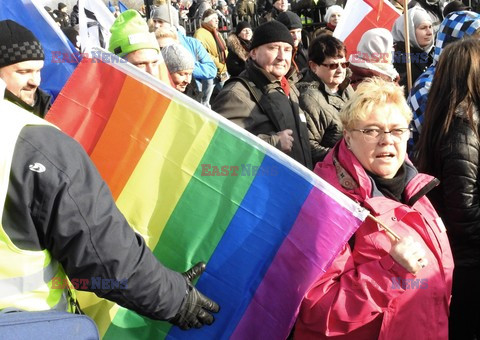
<point x="263" y="100"/>
<point x="56" y="202"/>
<point x="21" y="60"/>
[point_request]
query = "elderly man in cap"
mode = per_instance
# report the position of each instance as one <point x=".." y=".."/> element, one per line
<point x="21" y="60"/>
<point x="132" y="41"/>
<point x="262" y="100"/>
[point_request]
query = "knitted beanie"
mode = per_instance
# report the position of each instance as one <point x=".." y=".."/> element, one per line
<point x="290" y="19"/>
<point x="161" y="13"/>
<point x="242" y="25"/>
<point x="177" y="58"/>
<point x="271" y="31"/>
<point x="18" y="44"/>
<point x="130" y="33"/>
<point x="61" y="5"/>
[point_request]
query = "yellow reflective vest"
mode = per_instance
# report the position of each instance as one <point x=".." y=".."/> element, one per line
<point x="25" y="276"/>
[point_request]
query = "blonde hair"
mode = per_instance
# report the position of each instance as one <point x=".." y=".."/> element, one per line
<point x="370" y="93"/>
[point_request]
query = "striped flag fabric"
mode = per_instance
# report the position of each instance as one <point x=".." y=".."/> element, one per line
<point x="360" y="16"/>
<point x="60" y="56"/>
<point x="199" y="188"/>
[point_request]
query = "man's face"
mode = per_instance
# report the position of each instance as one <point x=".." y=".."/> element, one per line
<point x="281" y="5"/>
<point x="145" y="59"/>
<point x="275" y="58"/>
<point x="23" y="79"/>
<point x="296" y="34"/>
<point x="157" y="23"/>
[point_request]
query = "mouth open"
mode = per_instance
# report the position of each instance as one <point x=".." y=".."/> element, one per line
<point x="385" y="155"/>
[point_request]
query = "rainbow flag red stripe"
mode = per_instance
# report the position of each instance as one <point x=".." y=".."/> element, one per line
<point x="198" y="188"/>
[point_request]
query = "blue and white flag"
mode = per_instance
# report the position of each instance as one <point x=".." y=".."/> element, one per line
<point x="61" y="57"/>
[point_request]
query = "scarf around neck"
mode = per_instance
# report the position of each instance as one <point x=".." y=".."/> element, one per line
<point x="222" y="56"/>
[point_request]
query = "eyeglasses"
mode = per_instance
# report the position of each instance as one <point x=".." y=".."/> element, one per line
<point x="375" y="135"/>
<point x="334" y="66"/>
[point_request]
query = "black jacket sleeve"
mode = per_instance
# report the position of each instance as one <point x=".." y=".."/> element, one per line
<point x="63" y="205"/>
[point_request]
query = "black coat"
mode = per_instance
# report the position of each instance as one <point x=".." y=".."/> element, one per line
<point x="69" y="210"/>
<point x="420" y="61"/>
<point x="457" y="198"/>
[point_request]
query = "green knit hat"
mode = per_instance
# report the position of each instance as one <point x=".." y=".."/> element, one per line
<point x="130" y="33"/>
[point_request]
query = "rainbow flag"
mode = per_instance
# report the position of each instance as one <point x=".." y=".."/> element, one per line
<point x="199" y="188"/>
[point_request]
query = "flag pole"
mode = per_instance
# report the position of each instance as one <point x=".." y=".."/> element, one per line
<point x="384" y="227"/>
<point x="407" y="46"/>
<point x="169" y="12"/>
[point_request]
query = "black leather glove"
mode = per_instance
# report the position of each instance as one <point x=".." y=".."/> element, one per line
<point x="196" y="307"/>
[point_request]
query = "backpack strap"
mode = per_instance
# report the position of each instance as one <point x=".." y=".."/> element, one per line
<point x="258" y="96"/>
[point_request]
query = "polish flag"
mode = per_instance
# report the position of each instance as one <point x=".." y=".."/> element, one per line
<point x="360" y="16"/>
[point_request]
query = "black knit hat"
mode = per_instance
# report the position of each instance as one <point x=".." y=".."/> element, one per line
<point x="271" y="31"/>
<point x="241" y="25"/>
<point x="18" y="44"/>
<point x="290" y="19"/>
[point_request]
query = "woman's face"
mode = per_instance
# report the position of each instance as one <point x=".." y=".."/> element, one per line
<point x="334" y="19"/>
<point x="385" y="155"/>
<point x="246" y="33"/>
<point x="181" y="79"/>
<point x="424" y="34"/>
<point x="331" y="78"/>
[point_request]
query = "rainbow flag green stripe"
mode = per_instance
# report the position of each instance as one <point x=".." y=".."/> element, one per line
<point x="198" y="188"/>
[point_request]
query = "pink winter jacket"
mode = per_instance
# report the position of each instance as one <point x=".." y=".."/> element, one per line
<point x="366" y="294"/>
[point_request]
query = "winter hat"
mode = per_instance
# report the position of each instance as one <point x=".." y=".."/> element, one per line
<point x="416" y="16"/>
<point x="242" y="25"/>
<point x="290" y="19"/>
<point x="331" y="10"/>
<point x="271" y="31"/>
<point x="48" y="9"/>
<point x="455" y="6"/>
<point x="160" y="13"/>
<point x="18" y="44"/>
<point x="130" y="33"/>
<point x="61" y="5"/>
<point x="177" y="58"/>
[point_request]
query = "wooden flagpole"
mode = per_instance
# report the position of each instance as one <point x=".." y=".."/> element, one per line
<point x="407" y="46"/>
<point x="384" y="227"/>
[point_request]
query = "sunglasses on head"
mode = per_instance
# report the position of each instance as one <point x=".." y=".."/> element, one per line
<point x="334" y="66"/>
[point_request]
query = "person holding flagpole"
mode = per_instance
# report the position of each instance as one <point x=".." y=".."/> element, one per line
<point x="393" y="279"/>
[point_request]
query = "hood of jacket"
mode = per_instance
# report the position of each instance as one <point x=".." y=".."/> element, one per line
<point x="235" y="46"/>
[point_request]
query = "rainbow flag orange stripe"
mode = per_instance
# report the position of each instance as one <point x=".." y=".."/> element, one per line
<point x="198" y="188"/>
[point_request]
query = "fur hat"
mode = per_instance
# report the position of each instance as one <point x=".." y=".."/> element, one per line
<point x="271" y="31"/>
<point x="290" y="19"/>
<point x="177" y="58"/>
<point x="130" y="33"/>
<point x="18" y="44"/>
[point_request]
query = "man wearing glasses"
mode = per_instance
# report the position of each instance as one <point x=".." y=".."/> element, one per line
<point x="323" y="92"/>
<point x="262" y="100"/>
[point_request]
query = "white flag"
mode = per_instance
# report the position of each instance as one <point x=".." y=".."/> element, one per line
<point x="95" y="20"/>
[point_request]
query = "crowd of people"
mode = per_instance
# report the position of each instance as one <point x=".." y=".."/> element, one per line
<point x="410" y="154"/>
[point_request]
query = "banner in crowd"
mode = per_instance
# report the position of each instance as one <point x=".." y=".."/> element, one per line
<point x="199" y="188"/>
<point x="95" y="20"/>
<point x="60" y="55"/>
<point x="360" y="16"/>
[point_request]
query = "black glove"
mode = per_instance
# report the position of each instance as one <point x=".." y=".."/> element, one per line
<point x="196" y="307"/>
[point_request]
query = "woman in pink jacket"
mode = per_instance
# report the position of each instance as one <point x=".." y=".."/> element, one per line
<point x="380" y="286"/>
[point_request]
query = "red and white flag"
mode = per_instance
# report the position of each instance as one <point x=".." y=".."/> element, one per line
<point x="360" y="16"/>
